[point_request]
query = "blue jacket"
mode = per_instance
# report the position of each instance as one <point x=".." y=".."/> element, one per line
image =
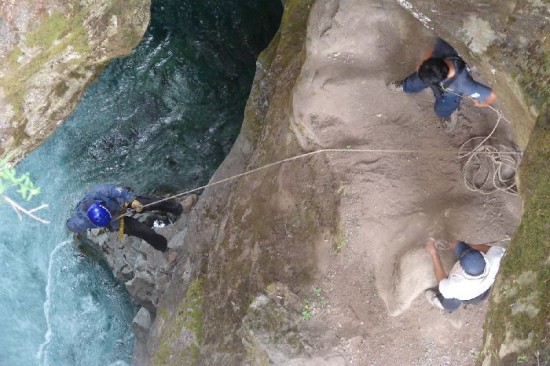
<point x="462" y="83"/>
<point x="113" y="197"/>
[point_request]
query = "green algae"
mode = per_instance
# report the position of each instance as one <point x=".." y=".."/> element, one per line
<point x="187" y="319"/>
<point x="54" y="36"/>
<point x="528" y="254"/>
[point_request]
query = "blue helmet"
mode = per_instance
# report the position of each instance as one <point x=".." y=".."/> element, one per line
<point x="99" y="215"/>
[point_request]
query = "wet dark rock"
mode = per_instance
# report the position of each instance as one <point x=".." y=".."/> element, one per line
<point x="144" y="270"/>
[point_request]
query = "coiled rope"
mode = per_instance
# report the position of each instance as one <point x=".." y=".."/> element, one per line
<point x="489" y="169"/>
<point x="487" y="173"/>
<point x="482" y="159"/>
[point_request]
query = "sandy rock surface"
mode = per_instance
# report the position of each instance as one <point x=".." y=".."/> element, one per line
<point x="370" y="288"/>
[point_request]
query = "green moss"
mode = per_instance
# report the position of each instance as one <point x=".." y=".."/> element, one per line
<point x="534" y="78"/>
<point x="271" y="288"/>
<point x="341" y="242"/>
<point x="59" y="31"/>
<point x="187" y="317"/>
<point x="528" y="252"/>
<point x="162" y="357"/>
<point x="267" y="56"/>
<point x="256" y="108"/>
<point x="267" y="235"/>
<point x="67" y="31"/>
<point x="271" y="323"/>
<point x="53" y="28"/>
<point x="162" y="313"/>
<point x="13" y="56"/>
<point x="286" y="50"/>
<point x="61" y="88"/>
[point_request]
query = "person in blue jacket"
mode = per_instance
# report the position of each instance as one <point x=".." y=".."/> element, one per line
<point x="448" y="76"/>
<point x="103" y="205"/>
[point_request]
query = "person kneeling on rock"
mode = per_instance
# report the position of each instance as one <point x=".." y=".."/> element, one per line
<point x="104" y="205"/>
<point x="470" y="279"/>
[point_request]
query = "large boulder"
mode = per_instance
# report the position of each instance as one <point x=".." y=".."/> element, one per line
<point x="50" y="51"/>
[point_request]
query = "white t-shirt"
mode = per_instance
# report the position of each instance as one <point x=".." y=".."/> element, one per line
<point x="462" y="286"/>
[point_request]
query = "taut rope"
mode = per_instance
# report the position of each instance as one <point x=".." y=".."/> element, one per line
<point x="489" y="152"/>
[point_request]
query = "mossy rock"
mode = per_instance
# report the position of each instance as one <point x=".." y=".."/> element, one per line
<point x="181" y="340"/>
<point x="518" y="324"/>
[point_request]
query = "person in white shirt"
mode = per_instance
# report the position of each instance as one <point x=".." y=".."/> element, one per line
<point x="470" y="279"/>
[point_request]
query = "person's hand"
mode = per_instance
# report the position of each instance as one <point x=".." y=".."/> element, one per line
<point x="452" y="245"/>
<point x="430" y="246"/>
<point x="137" y="206"/>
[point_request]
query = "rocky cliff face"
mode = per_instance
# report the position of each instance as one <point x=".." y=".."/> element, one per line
<point x="223" y="302"/>
<point x="241" y="252"/>
<point x="233" y="250"/>
<point x="50" y="51"/>
<point x="510" y="39"/>
<point x="227" y="301"/>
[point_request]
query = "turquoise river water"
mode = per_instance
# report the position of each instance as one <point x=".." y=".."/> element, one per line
<point x="161" y="121"/>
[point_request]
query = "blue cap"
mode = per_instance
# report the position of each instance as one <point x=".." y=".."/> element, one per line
<point x="471" y="260"/>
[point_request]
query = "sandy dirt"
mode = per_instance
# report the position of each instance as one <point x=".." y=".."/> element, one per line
<point x="369" y="291"/>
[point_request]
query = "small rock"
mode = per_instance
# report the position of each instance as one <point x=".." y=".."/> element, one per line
<point x="142" y="324"/>
<point x="171" y="256"/>
<point x="189" y="202"/>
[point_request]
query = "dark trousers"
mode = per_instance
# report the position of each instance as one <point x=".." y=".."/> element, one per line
<point x="452" y="304"/>
<point x="133" y="227"/>
<point x="445" y="103"/>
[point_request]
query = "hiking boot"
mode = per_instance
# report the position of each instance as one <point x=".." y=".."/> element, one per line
<point x="431" y="296"/>
<point x="395" y="86"/>
<point x="450" y="123"/>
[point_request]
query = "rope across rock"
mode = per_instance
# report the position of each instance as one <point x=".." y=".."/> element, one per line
<point x="494" y="167"/>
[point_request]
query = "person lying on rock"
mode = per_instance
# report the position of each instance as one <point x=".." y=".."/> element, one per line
<point x="443" y="71"/>
<point x="470" y="279"/>
<point x="104" y="204"/>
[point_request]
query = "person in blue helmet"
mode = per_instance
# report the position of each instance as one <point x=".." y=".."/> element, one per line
<point x="470" y="279"/>
<point x="103" y="205"/>
<point x="448" y="76"/>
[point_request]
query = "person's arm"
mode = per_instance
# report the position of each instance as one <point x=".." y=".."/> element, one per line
<point x="117" y="192"/>
<point x="78" y="223"/>
<point x="436" y="261"/>
<point x="484" y="248"/>
<point x="413" y="84"/>
<point x="128" y="197"/>
<point x="426" y="56"/>
<point x="481" y="95"/>
<point x="487" y="102"/>
<point x="122" y="196"/>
